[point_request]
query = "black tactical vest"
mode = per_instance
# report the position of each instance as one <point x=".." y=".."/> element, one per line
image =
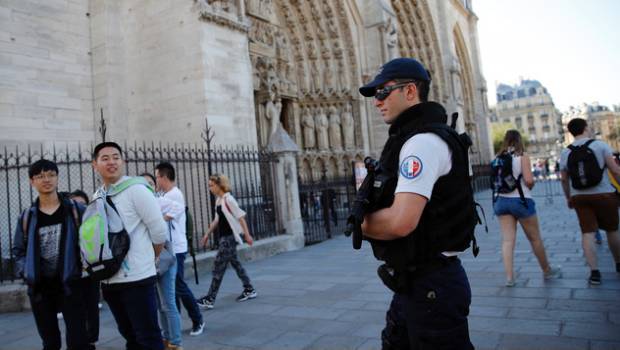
<point x="449" y="217"/>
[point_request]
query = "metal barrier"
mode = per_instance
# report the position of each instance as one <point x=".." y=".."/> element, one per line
<point x="250" y="172"/>
<point x="325" y="206"/>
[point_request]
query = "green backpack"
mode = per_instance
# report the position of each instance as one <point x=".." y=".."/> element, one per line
<point x="103" y="240"/>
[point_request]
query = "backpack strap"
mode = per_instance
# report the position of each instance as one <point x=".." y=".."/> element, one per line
<point x="25" y="220"/>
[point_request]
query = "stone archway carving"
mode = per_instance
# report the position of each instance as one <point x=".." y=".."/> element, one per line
<point x="417" y="38"/>
<point x="463" y="85"/>
<point x="304" y="51"/>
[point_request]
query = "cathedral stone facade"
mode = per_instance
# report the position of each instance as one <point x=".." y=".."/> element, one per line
<point x="157" y="69"/>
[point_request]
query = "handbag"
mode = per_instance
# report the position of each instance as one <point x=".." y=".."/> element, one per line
<point x="167" y="258"/>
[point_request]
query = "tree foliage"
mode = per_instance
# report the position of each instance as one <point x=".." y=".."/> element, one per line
<point x="498" y="130"/>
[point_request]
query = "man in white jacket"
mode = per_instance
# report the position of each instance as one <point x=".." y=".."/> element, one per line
<point x="165" y="176"/>
<point x="131" y="293"/>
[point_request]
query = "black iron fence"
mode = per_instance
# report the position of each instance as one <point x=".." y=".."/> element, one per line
<point x="250" y="172"/>
<point x="325" y="206"/>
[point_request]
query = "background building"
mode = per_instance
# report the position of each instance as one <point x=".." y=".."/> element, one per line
<point x="603" y="122"/>
<point x="530" y="108"/>
<point x="157" y="69"/>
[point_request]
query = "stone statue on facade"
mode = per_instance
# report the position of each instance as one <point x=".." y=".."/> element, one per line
<point x="307" y="122"/>
<point x="273" y="108"/>
<point x="348" y="127"/>
<point x="335" y="133"/>
<point x="391" y="39"/>
<point x="322" y="125"/>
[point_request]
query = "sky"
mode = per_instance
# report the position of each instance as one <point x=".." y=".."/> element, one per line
<point x="571" y="46"/>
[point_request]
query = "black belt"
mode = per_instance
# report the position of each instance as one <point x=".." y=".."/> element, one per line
<point x="400" y="281"/>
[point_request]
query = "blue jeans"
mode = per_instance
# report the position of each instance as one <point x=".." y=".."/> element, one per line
<point x="432" y="314"/>
<point x="514" y="207"/>
<point x="168" y="312"/>
<point x="135" y="310"/>
<point x="184" y="294"/>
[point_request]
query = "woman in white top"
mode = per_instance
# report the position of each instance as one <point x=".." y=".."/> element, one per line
<point x="230" y="223"/>
<point x="510" y="208"/>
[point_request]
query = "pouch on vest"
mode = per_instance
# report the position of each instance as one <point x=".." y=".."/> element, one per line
<point x="103" y="240"/>
<point x="583" y="168"/>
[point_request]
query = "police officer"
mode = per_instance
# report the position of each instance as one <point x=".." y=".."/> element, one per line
<point x="430" y="214"/>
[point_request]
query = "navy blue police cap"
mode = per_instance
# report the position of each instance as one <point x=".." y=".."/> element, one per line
<point x="398" y="68"/>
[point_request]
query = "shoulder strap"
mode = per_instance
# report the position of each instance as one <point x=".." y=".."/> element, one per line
<point x="227" y="207"/>
<point x="77" y="217"/>
<point x="589" y="142"/>
<point x="138" y="180"/>
<point x="25" y="220"/>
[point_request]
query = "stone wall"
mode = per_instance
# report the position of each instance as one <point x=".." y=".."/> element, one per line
<point x="45" y="75"/>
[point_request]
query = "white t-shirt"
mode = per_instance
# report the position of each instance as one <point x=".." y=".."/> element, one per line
<point x="516" y="171"/>
<point x="601" y="151"/>
<point x="423" y="159"/>
<point x="179" y="240"/>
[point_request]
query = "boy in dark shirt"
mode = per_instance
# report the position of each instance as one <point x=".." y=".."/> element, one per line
<point x="47" y="257"/>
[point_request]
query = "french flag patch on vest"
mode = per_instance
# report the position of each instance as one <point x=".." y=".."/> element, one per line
<point x="411" y="167"/>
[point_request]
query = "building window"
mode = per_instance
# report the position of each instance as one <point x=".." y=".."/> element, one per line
<point x="532" y="91"/>
<point x="520" y="93"/>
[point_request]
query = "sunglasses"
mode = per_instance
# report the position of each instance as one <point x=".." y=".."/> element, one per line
<point x="382" y="94"/>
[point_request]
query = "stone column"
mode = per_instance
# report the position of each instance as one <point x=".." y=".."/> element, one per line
<point x="286" y="187"/>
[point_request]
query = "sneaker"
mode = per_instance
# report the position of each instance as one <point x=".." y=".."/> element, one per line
<point x="510" y="283"/>
<point x="173" y="347"/>
<point x="197" y="329"/>
<point x="205" y="303"/>
<point x="247" y="294"/>
<point x="554" y="272"/>
<point x="595" y="277"/>
<point x="59" y="315"/>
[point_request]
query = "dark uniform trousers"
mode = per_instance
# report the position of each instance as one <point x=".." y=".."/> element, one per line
<point x="433" y="313"/>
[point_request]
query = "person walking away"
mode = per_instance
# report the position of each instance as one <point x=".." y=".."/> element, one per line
<point x="230" y="223"/>
<point x="165" y="178"/>
<point x="131" y="293"/>
<point x="588" y="190"/>
<point x="515" y="204"/>
<point x="46" y="253"/>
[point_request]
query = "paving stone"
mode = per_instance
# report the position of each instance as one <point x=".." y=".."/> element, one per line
<point x="510" y="301"/>
<point x="544" y="314"/>
<point x="310" y="312"/>
<point x="596" y="294"/>
<point x="360" y="315"/>
<point x="610" y="332"/>
<point x="491" y="311"/>
<point x="337" y="342"/>
<point x="538" y="342"/>
<point x="292" y="340"/>
<point x="602" y="345"/>
<point x="370" y="330"/>
<point x="556" y="293"/>
<point x="583" y="305"/>
<point x="371" y="344"/>
<point x="518" y="326"/>
<point x="484" y="340"/>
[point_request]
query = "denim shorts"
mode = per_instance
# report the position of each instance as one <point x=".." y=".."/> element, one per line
<point x="514" y="207"/>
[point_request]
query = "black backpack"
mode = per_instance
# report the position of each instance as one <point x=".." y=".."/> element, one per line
<point x="583" y="168"/>
<point x="502" y="178"/>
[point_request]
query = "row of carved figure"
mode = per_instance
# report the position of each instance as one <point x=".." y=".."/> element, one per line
<point x="325" y="127"/>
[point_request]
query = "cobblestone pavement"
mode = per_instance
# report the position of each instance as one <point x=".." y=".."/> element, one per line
<point x="327" y="296"/>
